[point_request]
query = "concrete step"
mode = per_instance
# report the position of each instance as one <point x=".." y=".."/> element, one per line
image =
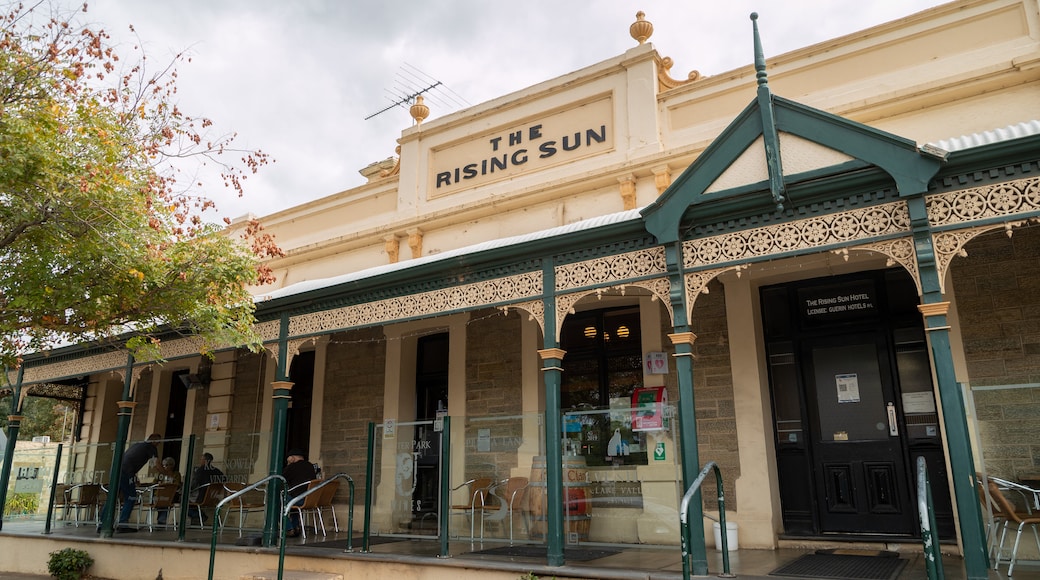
<point x="290" y="575"/>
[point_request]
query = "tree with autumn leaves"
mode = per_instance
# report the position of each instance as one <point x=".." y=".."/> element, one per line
<point x="101" y="232"/>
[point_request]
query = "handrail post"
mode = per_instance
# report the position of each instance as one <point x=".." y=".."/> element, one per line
<point x="685" y="525"/>
<point x="444" y="505"/>
<point x="216" y="515"/>
<point x="182" y="516"/>
<point x="54" y="486"/>
<point x="929" y="533"/>
<point x="369" y="478"/>
<point x="288" y="509"/>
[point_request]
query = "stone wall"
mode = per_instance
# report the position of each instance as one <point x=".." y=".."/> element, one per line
<point x="713" y="392"/>
<point x="997" y="286"/>
<point x="354" y="379"/>
<point x="493" y="389"/>
<point x="242" y="455"/>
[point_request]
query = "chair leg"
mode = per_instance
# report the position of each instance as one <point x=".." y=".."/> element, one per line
<point x="1000" y="547"/>
<point x="1014" y="551"/>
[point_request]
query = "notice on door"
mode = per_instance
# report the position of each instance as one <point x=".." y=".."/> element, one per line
<point x="848" y="388"/>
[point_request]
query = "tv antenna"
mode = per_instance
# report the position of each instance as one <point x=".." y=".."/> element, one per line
<point x="410" y="82"/>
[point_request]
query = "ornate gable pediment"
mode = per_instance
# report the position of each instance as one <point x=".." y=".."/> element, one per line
<point x="744" y="167"/>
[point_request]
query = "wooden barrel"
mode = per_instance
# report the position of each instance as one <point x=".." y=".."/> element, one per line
<point x="577" y="509"/>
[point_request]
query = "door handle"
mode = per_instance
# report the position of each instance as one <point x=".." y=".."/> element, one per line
<point x="893" y="428"/>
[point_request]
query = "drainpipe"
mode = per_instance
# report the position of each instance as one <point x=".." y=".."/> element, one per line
<point x="14" y="421"/>
<point x="281" y="392"/>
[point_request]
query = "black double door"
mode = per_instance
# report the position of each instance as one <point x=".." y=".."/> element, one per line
<point x="849" y="374"/>
<point x="858" y="454"/>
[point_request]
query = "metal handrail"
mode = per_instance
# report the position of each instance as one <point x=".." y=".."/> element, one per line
<point x="216" y="516"/>
<point x="684" y="523"/>
<point x="297" y="499"/>
<point x="929" y="533"/>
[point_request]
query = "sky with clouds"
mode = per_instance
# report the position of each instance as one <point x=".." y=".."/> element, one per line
<point x="297" y="79"/>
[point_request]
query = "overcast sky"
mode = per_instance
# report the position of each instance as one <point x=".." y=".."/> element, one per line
<point x="297" y="78"/>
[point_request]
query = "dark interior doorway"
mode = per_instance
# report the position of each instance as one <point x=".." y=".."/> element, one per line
<point x="431" y="398"/>
<point x="298" y="424"/>
<point x="176" y="405"/>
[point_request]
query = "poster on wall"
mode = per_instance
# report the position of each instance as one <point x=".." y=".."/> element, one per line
<point x="848" y="388"/>
<point x="648" y="408"/>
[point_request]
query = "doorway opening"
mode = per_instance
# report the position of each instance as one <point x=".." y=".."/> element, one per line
<point x="298" y="424"/>
<point x="176" y="409"/>
<point x="431" y="400"/>
<point x="853" y="406"/>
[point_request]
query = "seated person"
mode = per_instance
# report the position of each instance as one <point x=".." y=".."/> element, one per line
<point x="298" y="471"/>
<point x="204" y="474"/>
<point x="170" y="464"/>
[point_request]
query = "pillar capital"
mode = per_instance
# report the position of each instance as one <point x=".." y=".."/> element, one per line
<point x="15" y="418"/>
<point x="682" y="338"/>
<point x="277" y="386"/>
<point x="934" y="309"/>
<point x="126" y="404"/>
<point x="550" y="353"/>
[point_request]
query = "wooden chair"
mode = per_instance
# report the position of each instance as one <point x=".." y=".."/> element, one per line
<point x="99" y="505"/>
<point x="309" y="506"/>
<point x="327" y="494"/>
<point x="1011" y="515"/>
<point x="994" y="518"/>
<point x="254" y="500"/>
<point x="477" y="501"/>
<point x="61" y="500"/>
<point x="83" y="497"/>
<point x="206" y="496"/>
<point x="160" y="498"/>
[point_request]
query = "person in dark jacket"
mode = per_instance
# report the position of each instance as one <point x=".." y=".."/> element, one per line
<point x="297" y="471"/>
<point x="136" y="456"/>
<point x="204" y="474"/>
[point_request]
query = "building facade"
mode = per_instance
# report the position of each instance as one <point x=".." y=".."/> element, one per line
<point x="811" y="272"/>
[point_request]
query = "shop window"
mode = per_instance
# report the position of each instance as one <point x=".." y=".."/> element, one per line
<point x="602" y="368"/>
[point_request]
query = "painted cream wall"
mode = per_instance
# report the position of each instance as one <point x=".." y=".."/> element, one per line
<point x="759" y="518"/>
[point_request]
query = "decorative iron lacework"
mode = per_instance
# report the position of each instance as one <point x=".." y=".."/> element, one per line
<point x="75" y="367"/>
<point x="857" y="224"/>
<point x="50" y="391"/>
<point x="443" y="283"/>
<point x="658" y="287"/>
<point x="486" y="293"/>
<point x="292" y="349"/>
<point x="950" y="244"/>
<point x="818" y="208"/>
<point x="996" y="200"/>
<point x="268" y="330"/>
<point x="899" y="251"/>
<point x="697" y="283"/>
<point x="182" y="347"/>
<point x="535" y="309"/>
<point x="608" y="269"/>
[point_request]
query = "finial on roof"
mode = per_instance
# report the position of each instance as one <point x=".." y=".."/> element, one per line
<point x="641" y="29"/>
<point x="760" y="59"/>
<point x="419" y="111"/>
